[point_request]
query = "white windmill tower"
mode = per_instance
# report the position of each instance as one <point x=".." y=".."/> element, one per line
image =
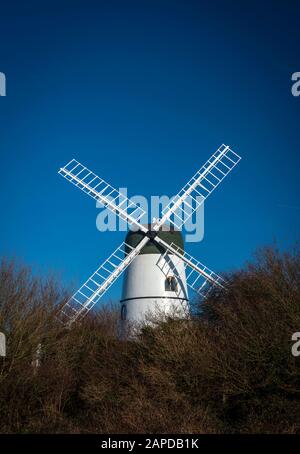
<point x="154" y="283"/>
<point x="158" y="270"/>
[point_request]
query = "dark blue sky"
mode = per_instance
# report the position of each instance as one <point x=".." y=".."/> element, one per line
<point x="143" y="92"/>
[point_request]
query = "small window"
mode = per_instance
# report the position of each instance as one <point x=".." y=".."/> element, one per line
<point x="123" y="312"/>
<point x="171" y="284"/>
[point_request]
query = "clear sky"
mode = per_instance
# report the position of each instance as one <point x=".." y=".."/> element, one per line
<point x="143" y="92"/>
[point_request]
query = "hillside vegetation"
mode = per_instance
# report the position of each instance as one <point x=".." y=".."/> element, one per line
<point x="229" y="369"/>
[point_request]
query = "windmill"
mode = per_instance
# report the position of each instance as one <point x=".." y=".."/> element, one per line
<point x="158" y="270"/>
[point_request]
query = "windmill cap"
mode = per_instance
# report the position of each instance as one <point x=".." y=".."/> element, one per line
<point x="167" y="233"/>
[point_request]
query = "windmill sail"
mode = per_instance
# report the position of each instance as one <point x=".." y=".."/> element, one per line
<point x="100" y="190"/>
<point x="199" y="187"/>
<point x="198" y="276"/>
<point x="97" y="284"/>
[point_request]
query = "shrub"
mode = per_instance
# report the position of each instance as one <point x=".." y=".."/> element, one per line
<point x="227" y="369"/>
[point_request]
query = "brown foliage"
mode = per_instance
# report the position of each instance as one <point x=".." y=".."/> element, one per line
<point x="228" y="369"/>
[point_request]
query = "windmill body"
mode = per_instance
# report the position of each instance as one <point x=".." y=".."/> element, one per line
<point x="154" y="283"/>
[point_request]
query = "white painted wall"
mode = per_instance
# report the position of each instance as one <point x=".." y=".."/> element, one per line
<point x="144" y="290"/>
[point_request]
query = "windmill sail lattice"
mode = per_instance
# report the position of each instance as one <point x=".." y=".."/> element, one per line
<point x="97" y="284"/>
<point x="198" y="276"/>
<point x="100" y="190"/>
<point x="200" y="186"/>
